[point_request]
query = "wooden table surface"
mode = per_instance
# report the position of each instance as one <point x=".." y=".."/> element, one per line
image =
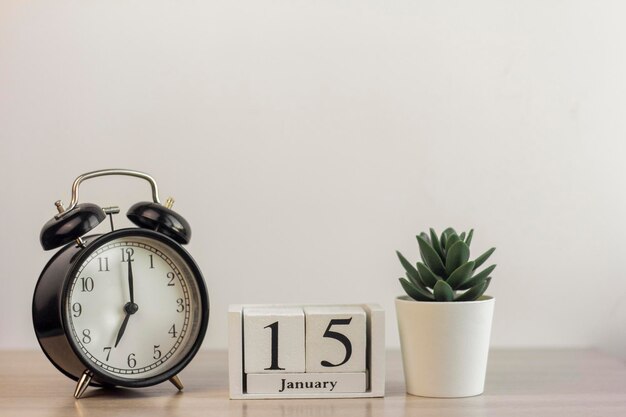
<point x="519" y="383"/>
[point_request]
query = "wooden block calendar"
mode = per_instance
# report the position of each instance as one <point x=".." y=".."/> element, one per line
<point x="306" y="351"/>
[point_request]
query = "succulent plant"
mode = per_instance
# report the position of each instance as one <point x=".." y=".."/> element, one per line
<point x="446" y="273"/>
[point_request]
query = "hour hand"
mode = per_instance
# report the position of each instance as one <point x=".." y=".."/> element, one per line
<point x="130" y="309"/>
<point x="120" y="333"/>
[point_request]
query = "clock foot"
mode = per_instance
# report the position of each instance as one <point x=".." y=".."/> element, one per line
<point x="176" y="381"/>
<point x="83" y="383"/>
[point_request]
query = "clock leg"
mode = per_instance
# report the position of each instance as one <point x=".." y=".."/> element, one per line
<point x="176" y="381"/>
<point x="83" y="383"/>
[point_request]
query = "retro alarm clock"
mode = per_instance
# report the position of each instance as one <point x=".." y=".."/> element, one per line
<point x="124" y="308"/>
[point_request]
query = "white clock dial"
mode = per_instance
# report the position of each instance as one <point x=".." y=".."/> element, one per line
<point x="153" y="316"/>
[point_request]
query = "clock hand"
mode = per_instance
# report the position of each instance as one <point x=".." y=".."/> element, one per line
<point x="130" y="281"/>
<point x="122" y="329"/>
<point x="130" y="309"/>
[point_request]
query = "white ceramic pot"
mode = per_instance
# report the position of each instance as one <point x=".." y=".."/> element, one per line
<point x="445" y="345"/>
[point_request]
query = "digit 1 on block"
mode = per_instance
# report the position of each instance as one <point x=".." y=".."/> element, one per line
<point x="273" y="339"/>
<point x="274" y="347"/>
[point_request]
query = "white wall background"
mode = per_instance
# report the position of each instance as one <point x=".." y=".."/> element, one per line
<point x="306" y="141"/>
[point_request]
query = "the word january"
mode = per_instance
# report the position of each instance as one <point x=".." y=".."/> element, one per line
<point x="306" y="384"/>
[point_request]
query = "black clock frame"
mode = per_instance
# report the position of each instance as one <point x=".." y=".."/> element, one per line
<point x="49" y="308"/>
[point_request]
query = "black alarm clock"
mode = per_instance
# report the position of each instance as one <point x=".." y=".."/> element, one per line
<point x="124" y="308"/>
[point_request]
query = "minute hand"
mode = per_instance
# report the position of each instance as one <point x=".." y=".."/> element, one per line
<point x="131" y="289"/>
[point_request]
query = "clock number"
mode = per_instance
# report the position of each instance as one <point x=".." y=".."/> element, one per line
<point x="173" y="331"/>
<point x="131" y="361"/>
<point x="86" y="284"/>
<point x="103" y="264"/>
<point x="274" y="329"/>
<point x="151" y="262"/>
<point x="157" y="352"/>
<point x="171" y="276"/>
<point x="77" y="309"/>
<point x="181" y="306"/>
<point x="107" y="350"/>
<point x="86" y="336"/>
<point x="127" y="254"/>
<point x="342" y="338"/>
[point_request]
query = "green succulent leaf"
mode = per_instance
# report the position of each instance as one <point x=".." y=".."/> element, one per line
<point x="415" y="292"/>
<point x="442" y="241"/>
<point x="428" y="277"/>
<point x="461" y="274"/>
<point x="419" y="284"/>
<point x="411" y="272"/>
<point x="425" y="237"/>
<point x="452" y="239"/>
<point x="462" y="236"/>
<point x="473" y="293"/>
<point x="482" y="258"/>
<point x="434" y="240"/>
<point x="443" y="292"/>
<point x="430" y="257"/>
<point x="471" y="283"/>
<point x="457" y="255"/>
<point x="445" y="235"/>
<point x="470" y="235"/>
<point x="477" y="278"/>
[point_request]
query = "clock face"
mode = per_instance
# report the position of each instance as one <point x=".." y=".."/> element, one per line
<point x="133" y="308"/>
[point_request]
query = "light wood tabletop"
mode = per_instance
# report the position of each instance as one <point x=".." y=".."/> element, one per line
<point x="519" y="383"/>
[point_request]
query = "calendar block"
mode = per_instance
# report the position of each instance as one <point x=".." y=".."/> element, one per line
<point x="295" y="351"/>
<point x="335" y="339"/>
<point x="274" y="340"/>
